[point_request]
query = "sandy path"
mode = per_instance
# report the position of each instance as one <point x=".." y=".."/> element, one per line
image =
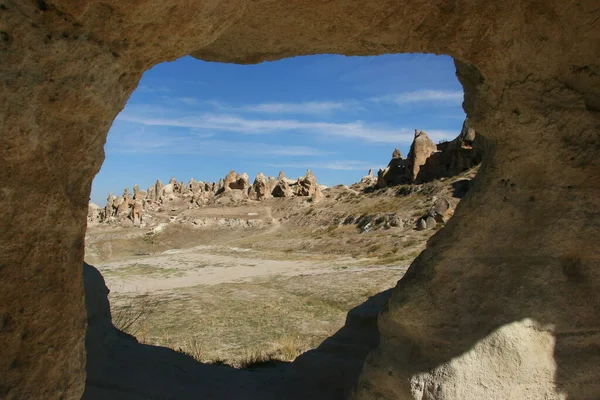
<point x="199" y="266"/>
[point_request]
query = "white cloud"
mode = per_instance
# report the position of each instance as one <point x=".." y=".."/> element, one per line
<point x="419" y="96"/>
<point x="310" y="107"/>
<point x="249" y="126"/>
<point x="190" y="101"/>
<point x="145" y="88"/>
<point x="303" y="108"/>
<point x="148" y="142"/>
<point x="339" y="165"/>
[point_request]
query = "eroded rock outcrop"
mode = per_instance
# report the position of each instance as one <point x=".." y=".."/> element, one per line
<point x="454" y="157"/>
<point x="369" y="179"/>
<point x="516" y="319"/>
<point x="260" y="188"/>
<point x="282" y="189"/>
<point x="306" y="185"/>
<point x="234" y="188"/>
<point x="427" y="161"/>
<point x="401" y="170"/>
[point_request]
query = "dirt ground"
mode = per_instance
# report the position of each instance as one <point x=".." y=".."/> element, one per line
<point x="228" y="282"/>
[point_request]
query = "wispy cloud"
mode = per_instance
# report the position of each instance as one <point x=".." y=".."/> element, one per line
<point x="249" y="126"/>
<point x="190" y="101"/>
<point x="310" y="107"/>
<point x="301" y="108"/>
<point x="148" y="142"/>
<point x="420" y="96"/>
<point x="145" y="88"/>
<point x="339" y="165"/>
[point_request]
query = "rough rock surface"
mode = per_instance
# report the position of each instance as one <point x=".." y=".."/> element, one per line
<point x="282" y="189"/>
<point x="454" y="157"/>
<point x="260" y="187"/>
<point x="120" y="368"/>
<point x="94" y="214"/>
<point x="317" y="195"/>
<point x="426" y="161"/>
<point x="369" y="179"/>
<point x="421" y="148"/>
<point x="460" y="324"/>
<point x="306" y="185"/>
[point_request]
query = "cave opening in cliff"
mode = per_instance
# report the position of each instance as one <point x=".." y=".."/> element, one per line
<point x="272" y="207"/>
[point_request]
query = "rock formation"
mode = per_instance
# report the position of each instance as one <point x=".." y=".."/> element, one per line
<point x="306" y="185"/>
<point x="454" y="157"/>
<point x="426" y="161"/>
<point x="94" y="214"/>
<point x="127" y="209"/>
<point x="421" y="148"/>
<point x="317" y="195"/>
<point x="516" y="319"/>
<point x="229" y="180"/>
<point x="282" y="189"/>
<point x="260" y="188"/>
<point x="369" y="179"/>
<point x="396" y="172"/>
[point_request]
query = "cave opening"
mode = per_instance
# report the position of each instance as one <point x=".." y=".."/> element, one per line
<point x="519" y="256"/>
<point x="236" y="270"/>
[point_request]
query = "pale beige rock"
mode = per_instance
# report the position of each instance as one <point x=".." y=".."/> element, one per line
<point x="306" y="185"/>
<point x="109" y="207"/>
<point x="229" y="180"/>
<point x="272" y="182"/>
<point x="168" y="189"/>
<point x="422" y="147"/>
<point x="137" y="209"/>
<point x="122" y="204"/>
<point x="260" y="187"/>
<point x="282" y="189"/>
<point x="317" y="195"/>
<point x="94" y="213"/>
<point x="369" y="179"/>
<point x="158" y="190"/>
<point x="139" y="194"/>
<point x="441" y="210"/>
<point x="529" y="70"/>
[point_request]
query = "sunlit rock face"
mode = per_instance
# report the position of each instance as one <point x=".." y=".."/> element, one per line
<point x="522" y="245"/>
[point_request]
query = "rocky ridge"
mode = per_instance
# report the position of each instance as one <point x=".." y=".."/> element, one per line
<point x="427" y="161"/>
<point x="135" y="208"/>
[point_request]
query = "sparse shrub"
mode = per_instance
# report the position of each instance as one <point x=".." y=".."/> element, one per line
<point x="150" y="239"/>
<point x="193" y="348"/>
<point x="131" y="316"/>
<point x="374" y="248"/>
<point x="285" y="349"/>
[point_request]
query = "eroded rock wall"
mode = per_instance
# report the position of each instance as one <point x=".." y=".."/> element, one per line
<point x="67" y="69"/>
<point x="501" y="303"/>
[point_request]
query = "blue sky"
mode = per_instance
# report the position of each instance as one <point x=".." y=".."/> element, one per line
<point x="336" y="115"/>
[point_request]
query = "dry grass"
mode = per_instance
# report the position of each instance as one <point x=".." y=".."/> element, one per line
<point x="132" y="314"/>
<point x="285" y="349"/>
<point x="193" y="348"/>
<point x="270" y="319"/>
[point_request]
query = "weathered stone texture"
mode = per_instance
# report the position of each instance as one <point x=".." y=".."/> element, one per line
<point x="518" y="274"/>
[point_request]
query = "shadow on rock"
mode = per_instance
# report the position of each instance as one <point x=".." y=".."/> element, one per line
<point x="119" y="367"/>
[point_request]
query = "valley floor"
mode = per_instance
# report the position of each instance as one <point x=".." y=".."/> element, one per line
<point x="248" y="282"/>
